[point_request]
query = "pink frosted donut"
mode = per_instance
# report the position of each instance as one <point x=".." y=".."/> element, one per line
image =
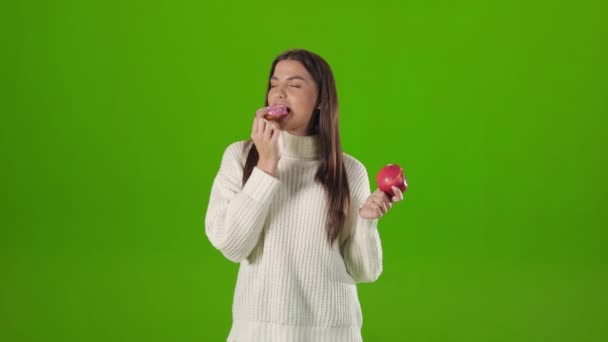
<point x="276" y="112"/>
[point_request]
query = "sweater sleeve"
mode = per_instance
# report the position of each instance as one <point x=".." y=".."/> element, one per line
<point x="362" y="249"/>
<point x="236" y="215"/>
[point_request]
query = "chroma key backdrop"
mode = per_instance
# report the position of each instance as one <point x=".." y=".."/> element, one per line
<point x="115" y="115"/>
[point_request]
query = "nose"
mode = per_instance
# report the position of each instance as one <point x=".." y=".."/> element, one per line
<point x="277" y="95"/>
<point x="281" y="92"/>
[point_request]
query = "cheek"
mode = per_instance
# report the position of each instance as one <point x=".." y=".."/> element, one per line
<point x="305" y="100"/>
<point x="312" y="98"/>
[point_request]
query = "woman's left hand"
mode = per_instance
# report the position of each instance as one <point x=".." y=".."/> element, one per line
<point x="378" y="204"/>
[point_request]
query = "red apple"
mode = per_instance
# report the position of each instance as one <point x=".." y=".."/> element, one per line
<point x="391" y="175"/>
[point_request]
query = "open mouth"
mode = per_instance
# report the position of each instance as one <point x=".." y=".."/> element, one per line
<point x="277" y="112"/>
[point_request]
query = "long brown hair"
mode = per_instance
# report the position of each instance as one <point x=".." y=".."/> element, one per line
<point x="331" y="172"/>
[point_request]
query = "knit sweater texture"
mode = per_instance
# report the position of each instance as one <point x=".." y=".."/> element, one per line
<point x="291" y="285"/>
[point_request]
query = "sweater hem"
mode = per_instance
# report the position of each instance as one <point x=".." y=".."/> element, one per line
<point x="252" y="331"/>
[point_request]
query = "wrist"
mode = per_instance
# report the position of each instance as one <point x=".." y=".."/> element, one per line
<point x="268" y="166"/>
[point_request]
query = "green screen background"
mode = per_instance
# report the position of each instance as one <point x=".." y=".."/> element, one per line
<point x="115" y="116"/>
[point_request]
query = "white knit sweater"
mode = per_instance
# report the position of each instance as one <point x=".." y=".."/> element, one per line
<point x="291" y="285"/>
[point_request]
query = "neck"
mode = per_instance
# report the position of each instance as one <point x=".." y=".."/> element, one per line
<point x="299" y="146"/>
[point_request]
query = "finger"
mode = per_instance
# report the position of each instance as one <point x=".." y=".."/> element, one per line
<point x="387" y="200"/>
<point x="382" y="196"/>
<point x="379" y="211"/>
<point x="275" y="125"/>
<point x="398" y="194"/>
<point x="378" y="194"/>
<point x="276" y="131"/>
<point x="374" y="208"/>
<point x="380" y="203"/>
<point x="275" y="136"/>
<point x="374" y="198"/>
<point x="261" y="126"/>
<point x="267" y="130"/>
<point x="261" y="112"/>
<point x="256" y="127"/>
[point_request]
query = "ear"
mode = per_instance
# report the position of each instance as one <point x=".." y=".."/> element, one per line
<point x="318" y="106"/>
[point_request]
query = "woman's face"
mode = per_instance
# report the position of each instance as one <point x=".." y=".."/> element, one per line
<point x="291" y="85"/>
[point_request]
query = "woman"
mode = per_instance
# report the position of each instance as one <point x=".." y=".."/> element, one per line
<point x="297" y="214"/>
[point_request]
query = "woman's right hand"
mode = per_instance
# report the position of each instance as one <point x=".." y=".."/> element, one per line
<point x="265" y="136"/>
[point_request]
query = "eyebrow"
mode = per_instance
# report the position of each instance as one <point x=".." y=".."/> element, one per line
<point x="289" y="78"/>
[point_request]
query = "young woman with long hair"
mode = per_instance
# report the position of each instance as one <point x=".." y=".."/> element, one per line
<point x="297" y="214"/>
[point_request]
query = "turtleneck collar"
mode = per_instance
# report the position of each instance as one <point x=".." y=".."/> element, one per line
<point x="299" y="147"/>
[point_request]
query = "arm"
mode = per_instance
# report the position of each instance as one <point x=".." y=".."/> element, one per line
<point x="235" y="215"/>
<point x="362" y="249"/>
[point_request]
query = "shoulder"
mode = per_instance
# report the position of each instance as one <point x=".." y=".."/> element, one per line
<point x="358" y="178"/>
<point x="354" y="168"/>
<point x="236" y="152"/>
